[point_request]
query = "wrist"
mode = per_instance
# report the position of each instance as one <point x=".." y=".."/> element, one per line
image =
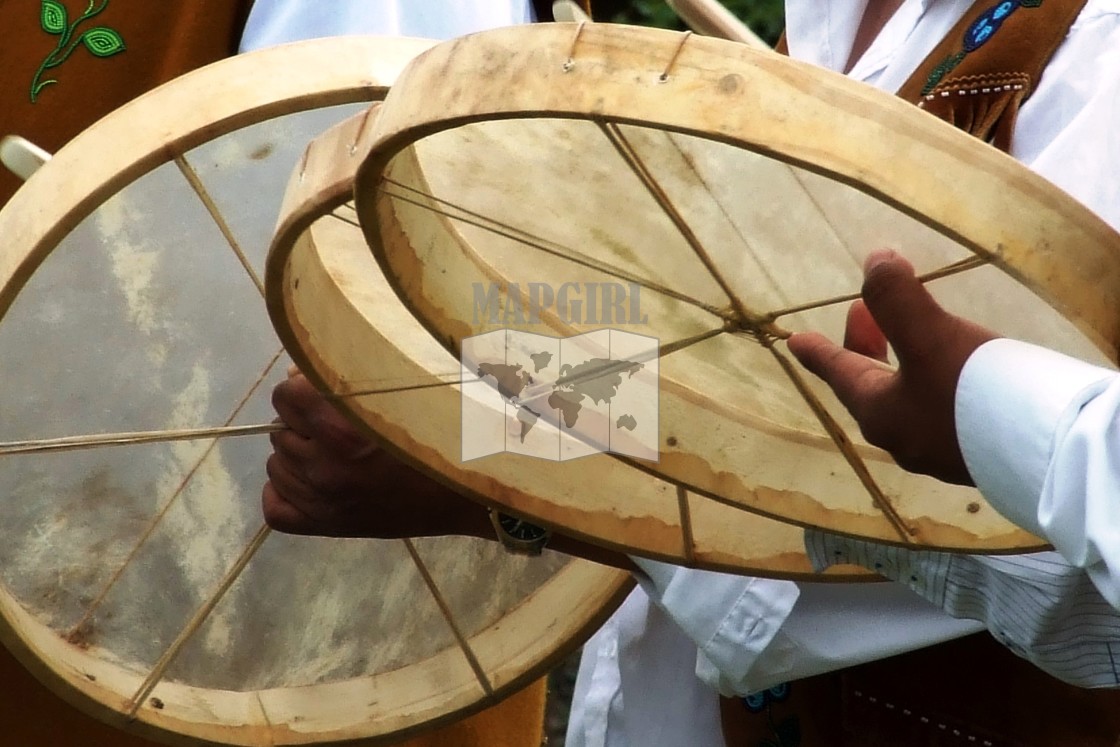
<point x="518" y="536"/>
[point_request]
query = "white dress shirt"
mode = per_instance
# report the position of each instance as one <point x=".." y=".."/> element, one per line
<point x="1062" y="478"/>
<point x="693" y="631"/>
<point x="273" y="22"/>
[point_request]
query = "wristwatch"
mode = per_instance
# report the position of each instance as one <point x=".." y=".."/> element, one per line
<point x="519" y="536"/>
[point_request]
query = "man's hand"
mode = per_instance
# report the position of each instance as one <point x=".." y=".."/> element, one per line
<point x="327" y="478"/>
<point x="909" y="411"/>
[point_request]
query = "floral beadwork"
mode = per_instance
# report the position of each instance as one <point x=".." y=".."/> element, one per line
<point x="977" y="34"/>
<point x="100" y="41"/>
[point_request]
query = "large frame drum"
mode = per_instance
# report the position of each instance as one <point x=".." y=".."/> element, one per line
<point x="740" y="191"/>
<point x="139" y="580"/>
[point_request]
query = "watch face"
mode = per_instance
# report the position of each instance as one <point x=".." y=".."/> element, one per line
<point x="521" y="530"/>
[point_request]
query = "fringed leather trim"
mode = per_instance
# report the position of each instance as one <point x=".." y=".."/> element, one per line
<point x="988" y="65"/>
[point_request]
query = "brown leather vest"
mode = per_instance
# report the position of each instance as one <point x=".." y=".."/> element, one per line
<point x="67" y="64"/>
<point x="989" y="64"/>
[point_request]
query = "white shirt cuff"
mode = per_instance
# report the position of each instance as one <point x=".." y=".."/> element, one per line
<point x="731" y="619"/>
<point x="1011" y="399"/>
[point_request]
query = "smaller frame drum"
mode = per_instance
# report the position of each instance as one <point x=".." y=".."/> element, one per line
<point x="736" y="192"/>
<point x="342" y="323"/>
<point x="138" y="579"/>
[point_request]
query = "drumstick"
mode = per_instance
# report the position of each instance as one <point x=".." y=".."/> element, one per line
<point x="22" y="157"/>
<point x="568" y="11"/>
<point x="710" y="18"/>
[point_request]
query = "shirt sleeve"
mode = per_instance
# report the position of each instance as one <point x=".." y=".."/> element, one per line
<point x="755" y="633"/>
<point x="1038" y="606"/>
<point x="1039" y="433"/>
<point x="731" y="619"/>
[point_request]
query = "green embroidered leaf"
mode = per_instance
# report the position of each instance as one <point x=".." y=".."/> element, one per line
<point x="103" y="42"/>
<point x="53" y="17"/>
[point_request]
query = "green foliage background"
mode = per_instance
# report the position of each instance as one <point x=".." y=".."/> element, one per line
<point x="765" y="17"/>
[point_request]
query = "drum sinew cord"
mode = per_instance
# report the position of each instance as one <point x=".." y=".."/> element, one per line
<point x="200" y="616"/>
<point x="844" y="444"/>
<point x="449" y="618"/>
<point x="75" y="443"/>
<point x="535" y="242"/>
<point x="211" y="206"/>
<point x="630" y="157"/>
<point x="953" y="268"/>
